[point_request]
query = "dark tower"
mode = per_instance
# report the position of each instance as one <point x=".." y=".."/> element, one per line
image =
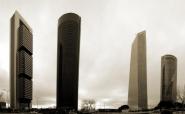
<point x="168" y="78"/>
<point x="68" y="61"/>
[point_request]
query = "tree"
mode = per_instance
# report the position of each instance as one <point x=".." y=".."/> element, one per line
<point x="2" y="97"/>
<point x="88" y="105"/>
<point x="123" y="107"/>
<point x="181" y="95"/>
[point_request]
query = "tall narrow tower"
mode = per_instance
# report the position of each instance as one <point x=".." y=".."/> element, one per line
<point x="137" y="95"/>
<point x="68" y="61"/>
<point x="168" y="78"/>
<point x="20" y="63"/>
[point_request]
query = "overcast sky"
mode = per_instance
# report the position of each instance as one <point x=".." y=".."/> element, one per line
<point x="108" y="29"/>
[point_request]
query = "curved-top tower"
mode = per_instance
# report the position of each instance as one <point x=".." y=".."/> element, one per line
<point x="168" y="78"/>
<point x="68" y="61"/>
<point x="137" y="94"/>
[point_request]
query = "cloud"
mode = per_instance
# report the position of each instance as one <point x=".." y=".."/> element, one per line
<point x="107" y="32"/>
<point x="4" y="80"/>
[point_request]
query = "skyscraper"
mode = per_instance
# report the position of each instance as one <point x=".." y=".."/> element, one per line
<point x="168" y="78"/>
<point x="68" y="61"/>
<point x="137" y="95"/>
<point x="20" y="63"/>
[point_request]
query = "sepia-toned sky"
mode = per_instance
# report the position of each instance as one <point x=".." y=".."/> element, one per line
<point x="108" y="29"/>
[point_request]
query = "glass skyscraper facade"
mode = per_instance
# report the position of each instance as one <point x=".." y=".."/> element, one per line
<point x="68" y="61"/>
<point x="21" y="63"/>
